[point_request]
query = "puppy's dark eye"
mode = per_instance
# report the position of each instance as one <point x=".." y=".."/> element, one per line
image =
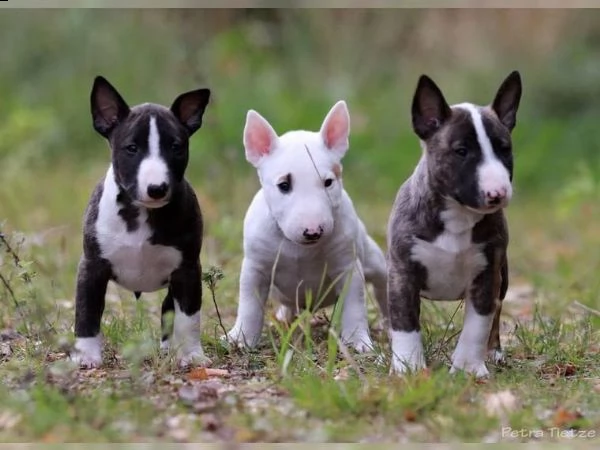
<point x="461" y="151"/>
<point x="132" y="149"/>
<point x="176" y="147"/>
<point x="284" y="186"/>
<point x="504" y="148"/>
<point x="328" y="182"/>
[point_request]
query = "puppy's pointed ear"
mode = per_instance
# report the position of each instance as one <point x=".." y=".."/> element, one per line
<point x="429" y="108"/>
<point x="189" y="108"/>
<point x="108" y="107"/>
<point x="336" y="129"/>
<point x="506" y="102"/>
<point x="260" y="138"/>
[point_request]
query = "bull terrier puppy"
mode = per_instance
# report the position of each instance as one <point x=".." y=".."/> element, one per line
<point x="143" y="225"/>
<point x="447" y="234"/>
<point x="302" y="234"/>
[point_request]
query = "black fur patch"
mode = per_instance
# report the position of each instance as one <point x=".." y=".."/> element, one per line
<point x="128" y="211"/>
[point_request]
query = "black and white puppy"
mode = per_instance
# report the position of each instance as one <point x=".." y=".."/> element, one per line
<point x="143" y="225"/>
<point x="447" y="234"/>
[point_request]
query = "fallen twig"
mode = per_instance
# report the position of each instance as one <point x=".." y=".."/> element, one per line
<point x="587" y="308"/>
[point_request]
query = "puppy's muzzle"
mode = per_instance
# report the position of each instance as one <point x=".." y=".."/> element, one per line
<point x="158" y="191"/>
<point x="312" y="235"/>
<point x="496" y="197"/>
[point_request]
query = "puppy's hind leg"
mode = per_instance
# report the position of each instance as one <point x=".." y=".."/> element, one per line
<point x="284" y="314"/>
<point x="495" y="352"/>
<point x="376" y="274"/>
<point x="168" y="307"/>
<point x="355" y="326"/>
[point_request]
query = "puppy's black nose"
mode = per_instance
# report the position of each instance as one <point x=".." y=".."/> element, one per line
<point x="158" y="191"/>
<point x="313" y="235"/>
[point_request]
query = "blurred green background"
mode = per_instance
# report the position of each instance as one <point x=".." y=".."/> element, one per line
<point x="291" y="65"/>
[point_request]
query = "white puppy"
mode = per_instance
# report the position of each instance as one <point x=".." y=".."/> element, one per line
<point x="303" y="241"/>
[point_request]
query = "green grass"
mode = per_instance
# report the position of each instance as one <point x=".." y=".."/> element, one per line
<point x="296" y="386"/>
<point x="299" y="384"/>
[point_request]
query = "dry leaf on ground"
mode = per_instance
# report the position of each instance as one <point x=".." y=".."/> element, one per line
<point x="410" y="415"/>
<point x="204" y="373"/>
<point x="564" y="418"/>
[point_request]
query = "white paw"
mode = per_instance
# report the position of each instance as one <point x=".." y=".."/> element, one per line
<point x="359" y="341"/>
<point x="408" y="355"/>
<point x="185" y="340"/>
<point x="193" y="357"/>
<point x="237" y="337"/>
<point x="473" y="366"/>
<point x="86" y="361"/>
<point x="87" y="353"/>
<point x="409" y="364"/>
<point x="401" y="367"/>
<point x="497" y="356"/>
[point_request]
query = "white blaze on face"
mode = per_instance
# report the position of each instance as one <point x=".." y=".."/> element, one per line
<point x="493" y="176"/>
<point x="153" y="169"/>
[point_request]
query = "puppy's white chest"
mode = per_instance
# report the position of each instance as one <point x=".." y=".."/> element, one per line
<point x="293" y="269"/>
<point x="452" y="262"/>
<point x="302" y="276"/>
<point x="136" y="263"/>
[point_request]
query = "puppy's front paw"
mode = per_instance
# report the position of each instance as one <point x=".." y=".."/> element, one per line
<point x="193" y="356"/>
<point x="408" y="355"/>
<point x="87" y="353"/>
<point x="359" y="341"/>
<point x="237" y="337"/>
<point x="410" y="364"/>
<point x="470" y="357"/>
<point x="86" y="361"/>
<point x="473" y="366"/>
